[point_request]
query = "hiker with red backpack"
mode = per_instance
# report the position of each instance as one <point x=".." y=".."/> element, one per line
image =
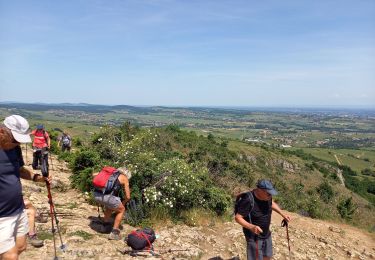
<point x="41" y="145"/>
<point x="253" y="211"/>
<point x="108" y="184"/>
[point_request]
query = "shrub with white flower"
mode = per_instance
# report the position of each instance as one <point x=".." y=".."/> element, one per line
<point x="161" y="175"/>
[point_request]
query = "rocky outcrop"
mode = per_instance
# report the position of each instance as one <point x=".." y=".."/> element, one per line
<point x="285" y="165"/>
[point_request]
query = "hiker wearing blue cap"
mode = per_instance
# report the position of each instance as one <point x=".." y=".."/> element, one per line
<point x="41" y="145"/>
<point x="253" y="211"/>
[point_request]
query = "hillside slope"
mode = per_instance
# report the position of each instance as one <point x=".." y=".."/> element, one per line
<point x="310" y="239"/>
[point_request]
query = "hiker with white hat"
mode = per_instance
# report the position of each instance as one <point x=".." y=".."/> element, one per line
<point x="13" y="218"/>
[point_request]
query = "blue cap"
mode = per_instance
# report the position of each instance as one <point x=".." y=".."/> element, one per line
<point x="266" y="185"/>
<point x="40" y="127"/>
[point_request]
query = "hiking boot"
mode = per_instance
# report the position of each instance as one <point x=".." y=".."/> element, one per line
<point x="115" y="234"/>
<point x="34" y="241"/>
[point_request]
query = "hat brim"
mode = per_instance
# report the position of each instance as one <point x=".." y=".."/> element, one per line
<point x="21" y="138"/>
<point x="272" y="192"/>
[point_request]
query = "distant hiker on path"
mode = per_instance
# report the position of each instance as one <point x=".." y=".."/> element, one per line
<point x="253" y="211"/>
<point x="13" y="219"/>
<point x="65" y="141"/>
<point x="108" y="184"/>
<point x="41" y="145"/>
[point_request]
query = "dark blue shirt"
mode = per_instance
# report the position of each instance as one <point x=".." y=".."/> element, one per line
<point x="11" y="200"/>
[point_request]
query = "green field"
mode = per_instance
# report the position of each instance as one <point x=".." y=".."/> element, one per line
<point x="358" y="160"/>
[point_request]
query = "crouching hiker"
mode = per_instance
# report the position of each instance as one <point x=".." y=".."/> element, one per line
<point x="253" y="211"/>
<point x="108" y="183"/>
<point x="13" y="219"/>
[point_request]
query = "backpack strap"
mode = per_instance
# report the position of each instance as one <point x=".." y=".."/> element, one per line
<point x="116" y="181"/>
<point x="45" y="137"/>
<point x="251" y="199"/>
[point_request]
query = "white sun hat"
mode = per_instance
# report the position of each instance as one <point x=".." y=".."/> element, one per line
<point x="19" y="127"/>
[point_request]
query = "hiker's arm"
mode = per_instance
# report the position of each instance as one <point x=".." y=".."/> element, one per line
<point x="29" y="175"/>
<point x="126" y="189"/>
<point x="49" y="142"/>
<point x="253" y="228"/>
<point x="276" y="208"/>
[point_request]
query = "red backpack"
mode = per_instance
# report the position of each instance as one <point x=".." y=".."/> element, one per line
<point x="105" y="180"/>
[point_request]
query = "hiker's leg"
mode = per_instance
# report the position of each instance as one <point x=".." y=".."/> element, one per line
<point x="107" y="215"/>
<point x="22" y="228"/>
<point x="40" y="157"/>
<point x="31" y="213"/>
<point x="267" y="248"/>
<point x="13" y="236"/>
<point x="35" y="160"/>
<point x="45" y="157"/>
<point x="111" y="204"/>
<point x="11" y="254"/>
<point x="120" y="210"/>
<point x="251" y="249"/>
<point x="21" y="244"/>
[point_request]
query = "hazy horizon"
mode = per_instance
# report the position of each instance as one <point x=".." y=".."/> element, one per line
<point x="311" y="107"/>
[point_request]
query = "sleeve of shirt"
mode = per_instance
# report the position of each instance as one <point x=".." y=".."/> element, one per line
<point x="20" y="157"/>
<point x="244" y="206"/>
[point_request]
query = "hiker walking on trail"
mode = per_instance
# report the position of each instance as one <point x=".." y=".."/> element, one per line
<point x="108" y="183"/>
<point x="41" y="145"/>
<point x="253" y="211"/>
<point x="13" y="219"/>
<point x="65" y="141"/>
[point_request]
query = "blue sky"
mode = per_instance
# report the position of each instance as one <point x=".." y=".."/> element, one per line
<point x="180" y="53"/>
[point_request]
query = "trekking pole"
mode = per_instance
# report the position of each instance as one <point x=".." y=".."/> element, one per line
<point x="54" y="217"/>
<point x="256" y="248"/>
<point x="52" y="210"/>
<point x="155" y="251"/>
<point x="50" y="157"/>
<point x="284" y="223"/>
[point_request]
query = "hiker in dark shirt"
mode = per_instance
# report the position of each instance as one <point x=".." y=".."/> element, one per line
<point x="253" y="212"/>
<point x="13" y="218"/>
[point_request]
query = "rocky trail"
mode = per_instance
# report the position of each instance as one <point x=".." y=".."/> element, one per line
<point x="310" y="239"/>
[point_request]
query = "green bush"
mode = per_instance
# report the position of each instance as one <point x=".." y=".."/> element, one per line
<point x="325" y="191"/>
<point x="84" y="159"/>
<point x="83" y="180"/>
<point x="346" y="208"/>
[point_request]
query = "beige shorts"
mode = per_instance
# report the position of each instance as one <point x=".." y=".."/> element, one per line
<point x="10" y="228"/>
